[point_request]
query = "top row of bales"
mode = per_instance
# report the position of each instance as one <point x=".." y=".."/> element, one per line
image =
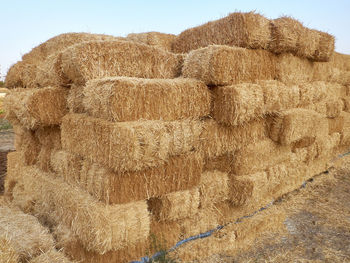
<point x="247" y="30"/>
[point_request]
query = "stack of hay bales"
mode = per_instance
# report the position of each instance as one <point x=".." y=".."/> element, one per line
<point x="118" y="139"/>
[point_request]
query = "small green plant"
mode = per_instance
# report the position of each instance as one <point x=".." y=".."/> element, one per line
<point x="158" y="247"/>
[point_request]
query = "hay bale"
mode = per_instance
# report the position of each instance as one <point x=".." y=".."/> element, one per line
<point x="128" y="146"/>
<point x="156" y="39"/>
<point x="100" y="227"/>
<point x="13" y="165"/>
<point x="248" y="30"/>
<point x="222" y="163"/>
<point x="341" y="61"/>
<point x="60" y="42"/>
<point x="50" y="140"/>
<point x="175" y="205"/>
<point x="27" y="144"/>
<point x="345" y="135"/>
<point x="335" y="125"/>
<point x="179" y="173"/>
<point x="224" y="65"/>
<point x="313" y="93"/>
<point x="75" y="99"/>
<point x="290" y="36"/>
<point x="117" y="58"/>
<point x="24" y="232"/>
<point x="238" y="104"/>
<point x="234" y="237"/>
<point x="38" y="67"/>
<point x="213" y="187"/>
<point x="52" y="256"/>
<point x="36" y="107"/>
<point x="291" y="69"/>
<point x="130" y="99"/>
<point x="278" y="96"/>
<point x="258" y="156"/>
<point x="296" y="125"/>
<point x="7" y="251"/>
<point x="218" y="140"/>
<point x="241" y="103"/>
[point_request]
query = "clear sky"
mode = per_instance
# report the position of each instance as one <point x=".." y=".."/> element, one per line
<point x="27" y="23"/>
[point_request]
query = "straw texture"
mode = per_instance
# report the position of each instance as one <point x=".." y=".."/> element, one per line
<point x="128" y="146"/>
<point x="179" y="173"/>
<point x="248" y="30"/>
<point x="224" y="65"/>
<point x="36" y="107"/>
<point x="156" y="39"/>
<point x="130" y="99"/>
<point x="290" y="36"/>
<point x="100" y="228"/>
<point x="117" y="58"/>
<point x="25" y="234"/>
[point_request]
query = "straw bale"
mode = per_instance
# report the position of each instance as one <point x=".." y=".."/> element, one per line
<point x="313" y="93"/>
<point x="222" y="163"/>
<point x="238" y="104"/>
<point x="100" y="228"/>
<point x="38" y="68"/>
<point x="346" y="101"/>
<point x="13" y="79"/>
<point x="341" y="61"/>
<point x="75" y="99"/>
<point x="28" y="237"/>
<point x="219" y="139"/>
<point x="224" y="65"/>
<point x="175" y="205"/>
<point x="27" y="144"/>
<point x="36" y="107"/>
<point x="278" y="96"/>
<point x="130" y="99"/>
<point x="290" y="36"/>
<point x="345" y="138"/>
<point x="13" y="165"/>
<point x="291" y="69"/>
<point x="233" y="237"/>
<point x="156" y="39"/>
<point x="117" y="58"/>
<point x="258" y="156"/>
<point x="127" y="146"/>
<point x="248" y="30"/>
<point x="179" y="173"/>
<point x="22" y="75"/>
<point x="51" y="256"/>
<point x="61" y="42"/>
<point x="213" y="187"/>
<point x="66" y="165"/>
<point x="50" y="140"/>
<point x="7" y="251"/>
<point x="295" y="125"/>
<point x="335" y="125"/>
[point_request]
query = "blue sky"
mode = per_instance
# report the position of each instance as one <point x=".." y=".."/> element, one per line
<point x="27" y="23"/>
